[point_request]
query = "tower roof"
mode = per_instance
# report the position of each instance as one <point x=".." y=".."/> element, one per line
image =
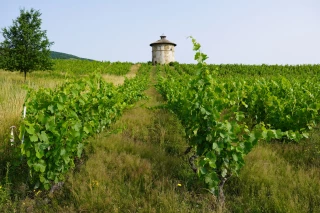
<point x="163" y="40"/>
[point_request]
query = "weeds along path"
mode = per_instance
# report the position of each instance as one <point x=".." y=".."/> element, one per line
<point x="138" y="165"/>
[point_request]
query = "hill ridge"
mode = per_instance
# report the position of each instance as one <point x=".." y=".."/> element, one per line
<point x="61" y="55"/>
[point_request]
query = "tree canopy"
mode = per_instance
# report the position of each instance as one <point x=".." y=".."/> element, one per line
<point x="25" y="47"/>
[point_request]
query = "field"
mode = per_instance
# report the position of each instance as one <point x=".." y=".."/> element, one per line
<point x="132" y="156"/>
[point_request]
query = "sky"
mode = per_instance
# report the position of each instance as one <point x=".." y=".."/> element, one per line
<point x="229" y="31"/>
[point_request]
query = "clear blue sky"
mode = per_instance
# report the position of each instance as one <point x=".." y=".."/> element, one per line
<point x="230" y="31"/>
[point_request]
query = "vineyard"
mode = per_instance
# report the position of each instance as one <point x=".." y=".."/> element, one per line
<point x="180" y="138"/>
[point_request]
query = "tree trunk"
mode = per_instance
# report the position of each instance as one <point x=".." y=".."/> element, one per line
<point x="192" y="164"/>
<point x="25" y="76"/>
<point x="221" y="197"/>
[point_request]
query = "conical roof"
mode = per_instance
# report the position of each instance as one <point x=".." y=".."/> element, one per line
<point x="163" y="40"/>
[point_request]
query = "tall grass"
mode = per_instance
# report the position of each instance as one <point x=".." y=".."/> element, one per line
<point x="269" y="183"/>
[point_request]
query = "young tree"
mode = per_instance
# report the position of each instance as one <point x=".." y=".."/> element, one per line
<point x="25" y="47"/>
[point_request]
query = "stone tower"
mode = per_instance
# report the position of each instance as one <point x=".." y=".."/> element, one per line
<point x="162" y="51"/>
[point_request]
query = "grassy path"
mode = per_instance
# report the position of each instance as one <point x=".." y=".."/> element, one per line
<point x="118" y="79"/>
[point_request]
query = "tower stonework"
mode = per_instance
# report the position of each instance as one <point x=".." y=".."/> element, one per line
<point x="162" y="51"/>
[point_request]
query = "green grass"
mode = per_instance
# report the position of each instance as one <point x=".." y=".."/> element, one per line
<point x="269" y="183"/>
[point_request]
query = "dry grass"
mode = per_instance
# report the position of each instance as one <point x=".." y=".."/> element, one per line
<point x="119" y="80"/>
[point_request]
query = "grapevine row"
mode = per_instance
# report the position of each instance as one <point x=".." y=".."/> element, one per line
<point x="241" y="70"/>
<point x="225" y="118"/>
<point x="59" y="121"/>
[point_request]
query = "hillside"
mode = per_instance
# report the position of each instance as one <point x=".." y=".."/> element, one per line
<point x="60" y="55"/>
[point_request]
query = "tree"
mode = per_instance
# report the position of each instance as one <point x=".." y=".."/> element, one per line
<point x="25" y="47"/>
<point x="1" y="58"/>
